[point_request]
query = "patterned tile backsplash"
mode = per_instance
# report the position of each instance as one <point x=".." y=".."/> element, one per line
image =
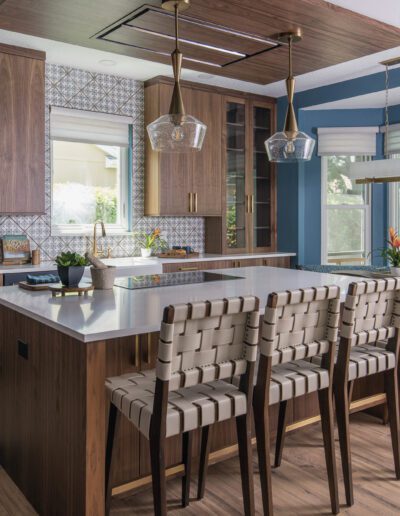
<point x="79" y="89"/>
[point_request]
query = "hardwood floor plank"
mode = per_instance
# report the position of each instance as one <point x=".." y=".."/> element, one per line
<point x="300" y="485"/>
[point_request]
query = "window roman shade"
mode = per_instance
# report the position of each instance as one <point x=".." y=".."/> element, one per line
<point x="89" y="127"/>
<point x="393" y="139"/>
<point x="347" y="141"/>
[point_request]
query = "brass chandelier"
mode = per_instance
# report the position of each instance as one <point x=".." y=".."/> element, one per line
<point x="176" y="131"/>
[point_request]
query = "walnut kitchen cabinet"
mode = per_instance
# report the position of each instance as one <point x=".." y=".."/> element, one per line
<point x="248" y="223"/>
<point x="22" y="145"/>
<point x="186" y="183"/>
<point x="279" y="261"/>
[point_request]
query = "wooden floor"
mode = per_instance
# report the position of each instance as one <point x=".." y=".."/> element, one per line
<point x="300" y="485"/>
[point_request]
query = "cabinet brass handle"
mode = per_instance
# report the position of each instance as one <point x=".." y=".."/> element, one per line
<point x="188" y="268"/>
<point x="148" y="357"/>
<point x="252" y="204"/>
<point x="137" y="352"/>
<point x="195" y="202"/>
<point x="190" y="202"/>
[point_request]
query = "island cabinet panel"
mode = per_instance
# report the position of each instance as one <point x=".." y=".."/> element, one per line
<point x="178" y="184"/>
<point x="22" y="152"/>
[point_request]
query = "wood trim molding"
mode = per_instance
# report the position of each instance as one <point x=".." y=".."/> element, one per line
<point x="161" y="79"/>
<point x="23" y="52"/>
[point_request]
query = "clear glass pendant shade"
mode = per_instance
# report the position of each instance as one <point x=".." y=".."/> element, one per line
<point x="282" y="149"/>
<point x="166" y="135"/>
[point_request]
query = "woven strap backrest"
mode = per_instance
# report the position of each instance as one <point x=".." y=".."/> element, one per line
<point x="371" y="311"/>
<point x="300" y="323"/>
<point x="205" y="341"/>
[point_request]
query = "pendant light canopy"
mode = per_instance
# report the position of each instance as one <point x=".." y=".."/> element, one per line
<point x="177" y="131"/>
<point x="290" y="145"/>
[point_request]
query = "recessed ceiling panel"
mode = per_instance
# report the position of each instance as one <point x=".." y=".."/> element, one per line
<point x="152" y="29"/>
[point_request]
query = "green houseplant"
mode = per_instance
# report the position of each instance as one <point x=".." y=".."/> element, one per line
<point x="150" y="242"/>
<point x="71" y="267"/>
<point x="391" y="253"/>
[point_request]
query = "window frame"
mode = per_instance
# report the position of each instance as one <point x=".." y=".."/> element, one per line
<point x="125" y="189"/>
<point x="366" y="207"/>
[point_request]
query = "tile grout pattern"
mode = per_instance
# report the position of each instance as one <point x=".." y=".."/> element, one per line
<point x="80" y="89"/>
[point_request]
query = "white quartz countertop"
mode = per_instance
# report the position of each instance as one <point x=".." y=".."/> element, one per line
<point x="121" y="312"/>
<point x="129" y="262"/>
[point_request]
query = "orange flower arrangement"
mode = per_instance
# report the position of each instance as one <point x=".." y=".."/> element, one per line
<point x="152" y="240"/>
<point x="392" y="252"/>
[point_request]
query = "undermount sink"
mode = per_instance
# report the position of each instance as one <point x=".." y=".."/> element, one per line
<point x="132" y="266"/>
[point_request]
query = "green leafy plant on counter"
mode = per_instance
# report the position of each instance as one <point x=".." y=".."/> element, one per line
<point x="70" y="259"/>
<point x="152" y="240"/>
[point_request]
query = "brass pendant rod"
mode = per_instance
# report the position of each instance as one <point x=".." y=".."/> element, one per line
<point x="291" y="129"/>
<point x="176" y="108"/>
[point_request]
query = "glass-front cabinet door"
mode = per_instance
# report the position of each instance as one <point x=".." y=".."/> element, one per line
<point x="262" y="205"/>
<point x="235" y="176"/>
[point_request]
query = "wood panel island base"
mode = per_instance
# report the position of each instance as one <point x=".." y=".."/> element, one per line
<point x="54" y="359"/>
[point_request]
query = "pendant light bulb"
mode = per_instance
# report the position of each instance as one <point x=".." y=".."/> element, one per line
<point x="290" y="145"/>
<point x="176" y="131"/>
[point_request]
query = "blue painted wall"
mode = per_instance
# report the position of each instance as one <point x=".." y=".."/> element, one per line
<point x="299" y="186"/>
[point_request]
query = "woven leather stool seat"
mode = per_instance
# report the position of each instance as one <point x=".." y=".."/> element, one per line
<point x="366" y="360"/>
<point x="296" y="379"/>
<point x="188" y="408"/>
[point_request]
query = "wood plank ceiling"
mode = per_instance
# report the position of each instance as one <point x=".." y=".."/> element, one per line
<point x="331" y="34"/>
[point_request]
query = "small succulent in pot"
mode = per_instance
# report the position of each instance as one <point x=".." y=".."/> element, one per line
<point x="71" y="267"/>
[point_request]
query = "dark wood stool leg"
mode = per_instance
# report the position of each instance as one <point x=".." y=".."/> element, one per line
<point x="281" y="432"/>
<point x="243" y="427"/>
<point x="157" y="452"/>
<point x="392" y="395"/>
<point x="203" y="464"/>
<point x="342" y="418"/>
<point x="261" y="423"/>
<point x="326" y="409"/>
<point x="187" y="448"/>
<point x="113" y="420"/>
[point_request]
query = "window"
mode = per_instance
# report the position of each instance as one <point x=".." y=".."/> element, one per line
<point x="394" y="200"/>
<point x="90" y="171"/>
<point x="345" y="213"/>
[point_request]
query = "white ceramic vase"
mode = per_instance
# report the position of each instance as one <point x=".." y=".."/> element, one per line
<point x="146" y="253"/>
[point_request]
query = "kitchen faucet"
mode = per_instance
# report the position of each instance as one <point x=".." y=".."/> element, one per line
<point x="95" y="251"/>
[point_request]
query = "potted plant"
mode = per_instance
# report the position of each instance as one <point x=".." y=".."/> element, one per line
<point x="151" y="242"/>
<point x="391" y="253"/>
<point x="71" y="267"/>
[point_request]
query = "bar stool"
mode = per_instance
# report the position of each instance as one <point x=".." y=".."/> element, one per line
<point x="369" y="344"/>
<point x="297" y="325"/>
<point x="201" y="344"/>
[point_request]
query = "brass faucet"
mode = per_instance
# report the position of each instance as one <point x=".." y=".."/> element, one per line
<point x="95" y="251"/>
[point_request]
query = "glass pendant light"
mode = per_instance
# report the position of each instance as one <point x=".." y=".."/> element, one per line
<point x="177" y="131"/>
<point x="290" y="145"/>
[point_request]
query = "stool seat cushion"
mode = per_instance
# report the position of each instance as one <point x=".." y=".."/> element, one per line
<point x="367" y="359"/>
<point x="188" y="408"/>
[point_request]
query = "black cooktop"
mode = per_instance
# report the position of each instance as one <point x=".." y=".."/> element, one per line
<point x="171" y="279"/>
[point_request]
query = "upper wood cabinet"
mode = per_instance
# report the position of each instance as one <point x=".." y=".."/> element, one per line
<point x="248" y="223"/>
<point x="188" y="183"/>
<point x="22" y="136"/>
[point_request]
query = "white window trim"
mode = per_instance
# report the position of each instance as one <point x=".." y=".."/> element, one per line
<point x="87" y="229"/>
<point x="324" y="219"/>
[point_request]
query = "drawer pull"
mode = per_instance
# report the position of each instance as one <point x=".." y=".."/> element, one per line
<point x="195" y="202"/>
<point x="190" y="202"/>
<point x="188" y="268"/>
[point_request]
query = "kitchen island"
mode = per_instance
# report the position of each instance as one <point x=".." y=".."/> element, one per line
<point x="55" y="354"/>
